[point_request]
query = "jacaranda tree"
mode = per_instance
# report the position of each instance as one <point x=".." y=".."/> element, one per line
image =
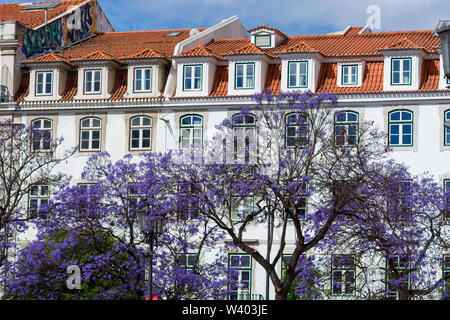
<point x="296" y="164"/>
<point x="108" y="210"/>
<point x="27" y="158"/>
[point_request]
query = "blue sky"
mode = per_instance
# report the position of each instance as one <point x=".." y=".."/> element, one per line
<point x="290" y="16"/>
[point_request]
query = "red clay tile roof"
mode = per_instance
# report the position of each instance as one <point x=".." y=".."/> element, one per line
<point x="220" y="84"/>
<point x="120" y="86"/>
<point x="50" y="57"/>
<point x="430" y="75"/>
<point x="403" y="44"/>
<point x="145" y="54"/>
<point x="24" y="87"/>
<point x="273" y="78"/>
<point x="350" y="44"/>
<point x="71" y="87"/>
<point x="268" y="28"/>
<point x="250" y="49"/>
<point x="198" y="51"/>
<point x="372" y="81"/>
<point x="97" y="55"/>
<point x="35" y="18"/>
<point x="353" y="31"/>
<point x="299" y="47"/>
<point x="122" y="45"/>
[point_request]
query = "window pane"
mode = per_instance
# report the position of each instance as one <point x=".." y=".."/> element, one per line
<point x="395" y="116"/>
<point x="136" y="122"/>
<point x="406" y="116"/>
<point x="197" y="120"/>
<point x="95" y="123"/>
<point x="396" y="65"/>
<point x="146" y="133"/>
<point x="396" y="78"/>
<point x="352" y="117"/>
<point x="135" y="134"/>
<point x="406" y="65"/>
<point x="198" y="71"/>
<point x="186" y="120"/>
<point x="146" y="121"/>
<point x="239" y="70"/>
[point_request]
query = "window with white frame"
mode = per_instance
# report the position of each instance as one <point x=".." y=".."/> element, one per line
<point x="140" y="133"/>
<point x="241" y="276"/>
<point x="142" y="79"/>
<point x="263" y="40"/>
<point x="188" y="261"/>
<point x="346" y="128"/>
<point x="397" y="275"/>
<point x="92" y="81"/>
<point x="298" y="74"/>
<point x="192" y="77"/>
<point x="447" y="130"/>
<point x="44" y="83"/>
<point x="90" y="134"/>
<point x="39" y="196"/>
<point x="191" y="132"/>
<point x="400" y="128"/>
<point x="244" y="76"/>
<point x="401" y="71"/>
<point x="343" y="278"/>
<point x="244" y="133"/>
<point x="42" y="134"/>
<point x="297" y="130"/>
<point x="349" y="75"/>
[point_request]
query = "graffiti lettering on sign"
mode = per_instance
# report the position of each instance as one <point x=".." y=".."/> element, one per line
<point x="47" y="38"/>
<point x="78" y="25"/>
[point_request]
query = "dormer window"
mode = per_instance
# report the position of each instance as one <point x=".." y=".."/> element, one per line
<point x="298" y="74"/>
<point x="245" y="76"/>
<point x="349" y="75"/>
<point x="142" y="79"/>
<point x="192" y="77"/>
<point x="92" y="81"/>
<point x="401" y="71"/>
<point x="263" y="40"/>
<point x="44" y="83"/>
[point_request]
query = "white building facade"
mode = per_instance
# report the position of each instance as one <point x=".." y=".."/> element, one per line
<point x="132" y="98"/>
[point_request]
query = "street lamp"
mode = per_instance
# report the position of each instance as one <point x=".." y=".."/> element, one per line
<point x="151" y="229"/>
<point x="443" y="29"/>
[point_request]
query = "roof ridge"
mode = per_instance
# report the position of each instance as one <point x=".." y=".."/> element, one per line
<point x="302" y="46"/>
<point x="199" y="51"/>
<point x="269" y="28"/>
<point x="48" y="57"/>
<point x="142" y="54"/>
<point x="156" y="30"/>
<point x="404" y="41"/>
